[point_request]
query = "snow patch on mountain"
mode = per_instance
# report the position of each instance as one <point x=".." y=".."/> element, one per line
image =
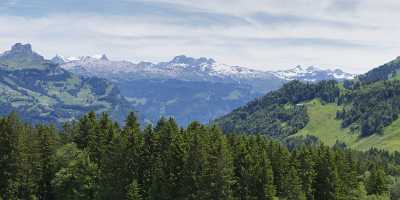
<point x="312" y="74"/>
<point x="181" y="68"/>
<point x="187" y="68"/>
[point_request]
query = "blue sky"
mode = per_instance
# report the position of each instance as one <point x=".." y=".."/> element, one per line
<point x="354" y="35"/>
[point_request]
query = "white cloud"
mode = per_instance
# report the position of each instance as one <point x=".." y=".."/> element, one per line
<point x="355" y="36"/>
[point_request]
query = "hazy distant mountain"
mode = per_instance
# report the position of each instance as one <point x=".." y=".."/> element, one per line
<point x="185" y="87"/>
<point x="41" y="91"/>
<point x="190" y="69"/>
<point x="313" y="74"/>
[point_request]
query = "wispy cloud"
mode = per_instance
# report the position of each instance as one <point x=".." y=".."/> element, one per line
<point x="344" y="5"/>
<point x="275" y="20"/>
<point x="162" y="11"/>
<point x="263" y="34"/>
<point x="309" y="42"/>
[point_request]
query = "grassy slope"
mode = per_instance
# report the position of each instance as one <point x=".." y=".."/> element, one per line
<point x="390" y="140"/>
<point x="324" y="126"/>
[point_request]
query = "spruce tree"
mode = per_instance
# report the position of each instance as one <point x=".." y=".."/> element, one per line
<point x="168" y="181"/>
<point x="294" y="188"/>
<point x="326" y="176"/>
<point x="134" y="191"/>
<point x="10" y="130"/>
<point x="306" y="172"/>
<point x="194" y="177"/>
<point x="377" y="182"/>
<point x="220" y="168"/>
<point x="46" y="148"/>
<point x="86" y="130"/>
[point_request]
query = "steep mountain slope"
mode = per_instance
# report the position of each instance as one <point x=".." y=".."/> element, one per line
<point x="384" y="72"/>
<point x="41" y="91"/>
<point x="362" y="113"/>
<point x="186" y="88"/>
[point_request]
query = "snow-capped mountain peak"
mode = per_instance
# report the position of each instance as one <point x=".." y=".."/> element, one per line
<point x="183" y="59"/>
<point x="312" y="74"/>
<point x="100" y="56"/>
<point x="59" y="59"/>
<point x="188" y="68"/>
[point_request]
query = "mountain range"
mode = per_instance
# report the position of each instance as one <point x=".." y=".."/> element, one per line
<point x="189" y="88"/>
<point x="42" y="92"/>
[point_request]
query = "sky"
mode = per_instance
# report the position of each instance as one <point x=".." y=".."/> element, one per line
<point x="353" y="35"/>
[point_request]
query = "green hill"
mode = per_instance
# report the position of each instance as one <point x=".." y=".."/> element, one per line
<point x="362" y="113"/>
<point x="42" y="92"/>
<point x="324" y="125"/>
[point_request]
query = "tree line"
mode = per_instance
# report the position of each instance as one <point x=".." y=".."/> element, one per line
<point x="370" y="107"/>
<point x="96" y="158"/>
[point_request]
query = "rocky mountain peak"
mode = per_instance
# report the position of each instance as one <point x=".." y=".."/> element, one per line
<point x="104" y="57"/>
<point x="22" y="56"/>
<point x="183" y="59"/>
<point x="21" y="48"/>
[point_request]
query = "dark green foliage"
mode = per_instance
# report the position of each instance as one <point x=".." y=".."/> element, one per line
<point x="371" y="107"/>
<point x="377" y="182"/>
<point x="96" y="159"/>
<point x="252" y="168"/>
<point x="77" y="176"/>
<point x="327" y="180"/>
<point x="134" y="191"/>
<point x="9" y="141"/>
<point x="383" y="72"/>
<point x="306" y="171"/>
<point x="279" y="113"/>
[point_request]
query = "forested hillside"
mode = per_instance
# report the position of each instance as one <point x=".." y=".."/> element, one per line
<point x="365" y="107"/>
<point x="42" y="92"/>
<point x="95" y="158"/>
<point x="280" y="113"/>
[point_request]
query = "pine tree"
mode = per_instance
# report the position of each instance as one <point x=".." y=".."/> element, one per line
<point x="220" y="168"/>
<point x="134" y="191"/>
<point x="132" y="123"/>
<point x="115" y="176"/>
<point x="28" y="162"/>
<point x="294" y="189"/>
<point x="77" y="176"/>
<point x="377" y="182"/>
<point x="134" y="144"/>
<point x="148" y="153"/>
<point x="46" y="144"/>
<point x="195" y="163"/>
<point x="349" y="183"/>
<point x="86" y="130"/>
<point x="326" y="176"/>
<point x="306" y="172"/>
<point x="170" y="162"/>
<point x="10" y="130"/>
<point x="280" y="165"/>
<point x="269" y="187"/>
<point x="242" y="162"/>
